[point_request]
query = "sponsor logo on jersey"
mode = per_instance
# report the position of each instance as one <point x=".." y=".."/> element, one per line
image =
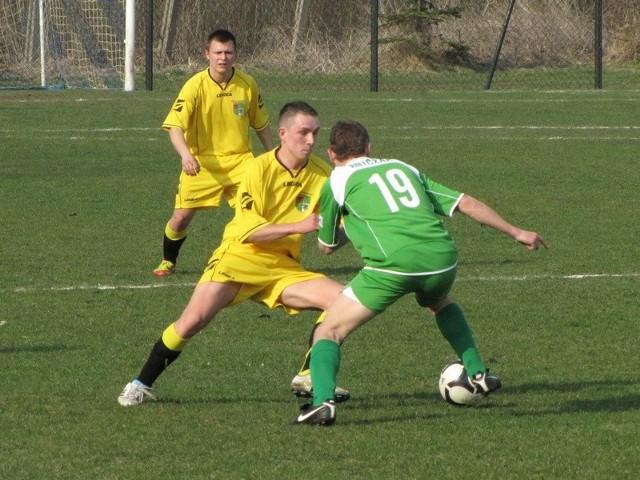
<point x="178" y="105"/>
<point x="291" y="183"/>
<point x="246" y="200"/>
<point x="303" y="202"/>
<point x="239" y="107"/>
<point x="224" y="94"/>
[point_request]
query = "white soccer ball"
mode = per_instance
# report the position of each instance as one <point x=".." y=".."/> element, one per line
<point x="455" y="386"/>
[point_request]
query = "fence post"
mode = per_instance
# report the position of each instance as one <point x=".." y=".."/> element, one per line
<point x="373" y="75"/>
<point x="148" y="58"/>
<point x="598" y="43"/>
<point x="496" y="55"/>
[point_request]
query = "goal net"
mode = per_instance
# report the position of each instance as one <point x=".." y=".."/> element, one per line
<point x="62" y="44"/>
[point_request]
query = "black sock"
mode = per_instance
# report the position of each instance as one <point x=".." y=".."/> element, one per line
<point x="159" y="359"/>
<point x="171" y="248"/>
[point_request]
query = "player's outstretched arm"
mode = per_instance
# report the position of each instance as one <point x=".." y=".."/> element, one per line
<point x="485" y="215"/>
<point x="275" y="231"/>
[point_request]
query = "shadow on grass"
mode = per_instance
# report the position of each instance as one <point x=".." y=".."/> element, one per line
<point x="34" y="349"/>
<point x="562" y="393"/>
<point x="545" y="398"/>
<point x="566" y="387"/>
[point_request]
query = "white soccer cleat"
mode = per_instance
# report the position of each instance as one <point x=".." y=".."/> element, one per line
<point x="301" y="387"/>
<point x="135" y="394"/>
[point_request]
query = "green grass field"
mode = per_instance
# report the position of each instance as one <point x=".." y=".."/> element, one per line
<point x="87" y="182"/>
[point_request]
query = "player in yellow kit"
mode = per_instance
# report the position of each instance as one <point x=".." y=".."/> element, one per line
<point x="259" y="257"/>
<point x="209" y="127"/>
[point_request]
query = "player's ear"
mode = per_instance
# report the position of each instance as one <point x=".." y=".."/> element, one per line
<point x="367" y="149"/>
<point x="332" y="155"/>
<point x="281" y="132"/>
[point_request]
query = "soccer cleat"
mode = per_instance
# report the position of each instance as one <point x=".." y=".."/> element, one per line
<point x="485" y="383"/>
<point x="324" y="414"/>
<point x="165" y="268"/>
<point x="301" y="387"/>
<point x="134" y="394"/>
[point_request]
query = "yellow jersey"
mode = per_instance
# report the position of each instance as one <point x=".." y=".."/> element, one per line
<point x="270" y="193"/>
<point x="216" y="120"/>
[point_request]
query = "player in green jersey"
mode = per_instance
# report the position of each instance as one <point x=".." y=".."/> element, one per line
<point x="259" y="257"/>
<point x="390" y="212"/>
<point x="209" y="126"/>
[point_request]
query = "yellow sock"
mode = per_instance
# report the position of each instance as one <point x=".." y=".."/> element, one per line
<point x="172" y="340"/>
<point x="175" y="236"/>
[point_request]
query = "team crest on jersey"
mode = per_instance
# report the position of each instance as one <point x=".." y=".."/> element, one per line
<point x="239" y="107"/>
<point x="303" y="202"/>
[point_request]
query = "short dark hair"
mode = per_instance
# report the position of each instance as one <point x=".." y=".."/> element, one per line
<point x="291" y="109"/>
<point x="348" y="139"/>
<point x="221" y="35"/>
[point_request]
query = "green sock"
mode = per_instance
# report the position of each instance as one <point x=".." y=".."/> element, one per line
<point x="455" y="329"/>
<point x="325" y="363"/>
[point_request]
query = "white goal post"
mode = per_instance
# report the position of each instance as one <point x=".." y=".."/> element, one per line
<point x="67" y="44"/>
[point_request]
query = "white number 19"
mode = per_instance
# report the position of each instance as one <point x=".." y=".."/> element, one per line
<point x="401" y="184"/>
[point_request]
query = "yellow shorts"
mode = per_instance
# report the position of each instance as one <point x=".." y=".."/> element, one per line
<point x="219" y="176"/>
<point x="263" y="275"/>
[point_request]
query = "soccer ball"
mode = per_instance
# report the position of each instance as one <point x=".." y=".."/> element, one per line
<point x="455" y="386"/>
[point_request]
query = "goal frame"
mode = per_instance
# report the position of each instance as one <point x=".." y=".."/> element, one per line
<point x="45" y="54"/>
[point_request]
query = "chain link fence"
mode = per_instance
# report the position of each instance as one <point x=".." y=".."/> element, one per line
<point x="360" y="45"/>
<point x="422" y="45"/>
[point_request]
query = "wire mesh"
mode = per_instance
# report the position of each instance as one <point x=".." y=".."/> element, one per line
<point x="326" y="45"/>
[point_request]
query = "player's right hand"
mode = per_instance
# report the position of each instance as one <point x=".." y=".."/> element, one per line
<point x="310" y="224"/>
<point x="190" y="166"/>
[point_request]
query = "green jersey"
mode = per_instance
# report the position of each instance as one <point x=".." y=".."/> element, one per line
<point x="391" y="214"/>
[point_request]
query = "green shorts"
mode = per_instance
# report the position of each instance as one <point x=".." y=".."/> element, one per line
<point x="378" y="290"/>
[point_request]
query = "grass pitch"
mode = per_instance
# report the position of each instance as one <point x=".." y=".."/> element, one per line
<point x="87" y="182"/>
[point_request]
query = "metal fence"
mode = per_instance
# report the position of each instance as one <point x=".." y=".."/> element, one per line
<point x="357" y="45"/>
<point x="421" y="45"/>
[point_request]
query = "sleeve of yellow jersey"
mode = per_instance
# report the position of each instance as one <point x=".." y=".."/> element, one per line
<point x="258" y="116"/>
<point x="181" y="109"/>
<point x="250" y="206"/>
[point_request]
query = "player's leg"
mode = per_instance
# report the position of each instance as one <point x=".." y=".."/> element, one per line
<point x="368" y="294"/>
<point x="305" y="368"/>
<point x="301" y="385"/>
<point x="202" y="191"/>
<point x="454" y="327"/>
<point x="343" y="317"/>
<point x="317" y="293"/>
<point x="207" y="300"/>
<point x="175" y="233"/>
